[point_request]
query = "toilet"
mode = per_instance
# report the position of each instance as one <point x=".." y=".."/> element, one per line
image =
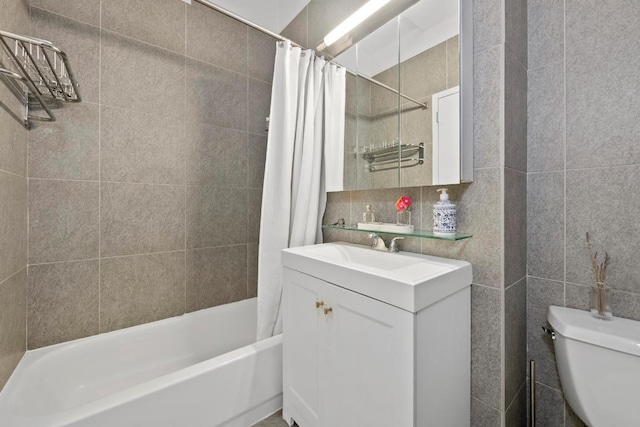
<point x="599" y="366"/>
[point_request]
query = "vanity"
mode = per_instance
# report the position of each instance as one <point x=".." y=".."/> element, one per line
<point x="375" y="338"/>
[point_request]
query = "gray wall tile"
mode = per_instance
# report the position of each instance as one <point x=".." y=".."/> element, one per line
<point x="426" y="73"/>
<point x="13" y="224"/>
<point x="216" y="156"/>
<point x="215" y="38"/>
<point x="141" y="289"/>
<point x="138" y="147"/>
<point x="549" y="406"/>
<point x="261" y="56"/>
<point x="81" y="43"/>
<point x="297" y="29"/>
<point x="13" y="137"/>
<point x="545" y="225"/>
<point x="540" y="295"/>
<point x="590" y="25"/>
<point x="15" y="18"/>
<point x="577" y="296"/>
<point x="159" y="22"/>
<point x="610" y="129"/>
<point x="62" y="302"/>
<point x="516" y="414"/>
<point x="483" y="415"/>
<point x="13" y="301"/>
<point x="515" y="28"/>
<point x="216" y="276"/>
<point x="486" y="338"/>
<point x="515" y="226"/>
<point x="546" y="118"/>
<point x="86" y="11"/>
<point x="570" y="417"/>
<point x="252" y="270"/>
<point x="515" y="340"/>
<point x="591" y="196"/>
<point x="256" y="158"/>
<point x="63" y="220"/>
<point x="487" y="122"/>
<point x="453" y="62"/>
<point x="211" y="222"/>
<point x="254" y="206"/>
<point x="140" y="218"/>
<point x="216" y="96"/>
<point x="515" y="113"/>
<point x="259" y="106"/>
<point x="487" y="24"/>
<point x="67" y="148"/>
<point x="545" y="32"/>
<point x="479" y="212"/>
<point x="159" y="89"/>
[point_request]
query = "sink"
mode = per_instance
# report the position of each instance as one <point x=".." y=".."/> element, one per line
<point x="406" y="280"/>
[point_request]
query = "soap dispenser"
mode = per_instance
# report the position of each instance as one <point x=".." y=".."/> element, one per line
<point x="368" y="216"/>
<point x="444" y="216"/>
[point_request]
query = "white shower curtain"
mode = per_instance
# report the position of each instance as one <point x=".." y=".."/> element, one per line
<point x="306" y="128"/>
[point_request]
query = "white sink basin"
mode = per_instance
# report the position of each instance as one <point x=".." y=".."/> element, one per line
<point x="406" y="280"/>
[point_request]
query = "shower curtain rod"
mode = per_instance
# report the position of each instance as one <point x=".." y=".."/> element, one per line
<point x="281" y="38"/>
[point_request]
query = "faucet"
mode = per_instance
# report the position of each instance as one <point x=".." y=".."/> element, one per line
<point x="393" y="246"/>
<point x="378" y="243"/>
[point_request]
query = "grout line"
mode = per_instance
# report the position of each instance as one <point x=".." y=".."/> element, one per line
<point x="486" y="404"/>
<point x="564" y="73"/>
<point x="515" y="397"/>
<point x="65" y="16"/>
<point x="186" y="156"/>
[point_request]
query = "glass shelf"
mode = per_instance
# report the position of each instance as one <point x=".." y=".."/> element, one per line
<point x="424" y="234"/>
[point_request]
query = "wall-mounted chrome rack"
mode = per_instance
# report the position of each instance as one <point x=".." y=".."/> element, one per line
<point x="394" y="156"/>
<point x="36" y="73"/>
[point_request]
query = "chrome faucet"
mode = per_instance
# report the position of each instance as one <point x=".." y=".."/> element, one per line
<point x="378" y="243"/>
<point x="393" y="246"/>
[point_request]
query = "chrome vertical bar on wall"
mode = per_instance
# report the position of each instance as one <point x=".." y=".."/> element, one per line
<point x="532" y="392"/>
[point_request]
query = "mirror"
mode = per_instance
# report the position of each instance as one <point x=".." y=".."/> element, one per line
<point x="409" y="100"/>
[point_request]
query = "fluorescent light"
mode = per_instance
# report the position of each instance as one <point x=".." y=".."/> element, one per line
<point x="356" y="18"/>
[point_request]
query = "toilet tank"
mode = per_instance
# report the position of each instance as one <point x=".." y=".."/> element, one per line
<point x="599" y="366"/>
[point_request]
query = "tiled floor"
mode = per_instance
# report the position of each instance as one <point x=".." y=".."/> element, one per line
<point x="274" y="420"/>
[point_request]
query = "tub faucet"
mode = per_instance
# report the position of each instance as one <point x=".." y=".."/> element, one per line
<point x="378" y="243"/>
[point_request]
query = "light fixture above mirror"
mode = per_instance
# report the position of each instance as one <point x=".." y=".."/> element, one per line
<point x="360" y="24"/>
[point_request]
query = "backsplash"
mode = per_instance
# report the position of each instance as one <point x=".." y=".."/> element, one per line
<point x="144" y="200"/>
<point x="584" y="161"/>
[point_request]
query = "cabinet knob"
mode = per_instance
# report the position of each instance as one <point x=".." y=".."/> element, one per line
<point x="327" y="310"/>
<point x="319" y="304"/>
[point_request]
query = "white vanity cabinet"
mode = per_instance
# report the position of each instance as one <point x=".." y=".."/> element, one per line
<point x="356" y="360"/>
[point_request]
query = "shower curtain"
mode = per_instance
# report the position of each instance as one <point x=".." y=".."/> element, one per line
<point x="304" y="154"/>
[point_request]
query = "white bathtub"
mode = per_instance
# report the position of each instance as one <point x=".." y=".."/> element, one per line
<point x="200" y="369"/>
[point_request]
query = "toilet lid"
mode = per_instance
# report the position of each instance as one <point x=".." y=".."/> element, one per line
<point x="617" y="334"/>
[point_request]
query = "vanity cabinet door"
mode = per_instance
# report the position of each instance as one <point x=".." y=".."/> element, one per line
<point x="348" y="359"/>
<point x="366" y="366"/>
<point x="303" y="316"/>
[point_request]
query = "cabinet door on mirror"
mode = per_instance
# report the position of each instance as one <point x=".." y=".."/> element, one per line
<point x="395" y="72"/>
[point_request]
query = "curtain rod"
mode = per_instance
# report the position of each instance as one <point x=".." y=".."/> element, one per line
<point x="276" y="36"/>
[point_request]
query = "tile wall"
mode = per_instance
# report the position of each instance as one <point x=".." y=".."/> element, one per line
<point x="584" y="168"/>
<point x="492" y="208"/>
<point x="15" y="18"/>
<point x="144" y="200"/>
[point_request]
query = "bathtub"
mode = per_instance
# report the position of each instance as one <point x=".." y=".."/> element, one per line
<point x="200" y="369"/>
